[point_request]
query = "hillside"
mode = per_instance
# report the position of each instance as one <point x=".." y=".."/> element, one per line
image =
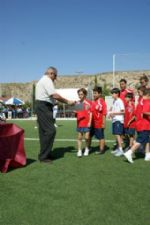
<point x="24" y="90"/>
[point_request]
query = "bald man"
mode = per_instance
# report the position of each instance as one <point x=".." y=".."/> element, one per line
<point x="45" y="99"/>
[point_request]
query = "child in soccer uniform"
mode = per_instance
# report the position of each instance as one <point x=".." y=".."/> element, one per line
<point x="129" y="119"/>
<point x="142" y="127"/>
<point x="99" y="111"/>
<point x="84" y="118"/>
<point x="117" y="114"/>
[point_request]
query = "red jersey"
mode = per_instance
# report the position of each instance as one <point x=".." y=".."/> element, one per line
<point x="83" y="116"/>
<point x="142" y="121"/>
<point x="146" y="118"/>
<point x="138" y="110"/>
<point x="129" y="114"/>
<point x="139" y="99"/>
<point x="99" y="110"/>
<point x="123" y="94"/>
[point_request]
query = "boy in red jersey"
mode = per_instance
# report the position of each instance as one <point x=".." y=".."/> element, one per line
<point x="142" y="126"/>
<point x="99" y="111"/>
<point x="129" y="119"/>
<point x="84" y="118"/>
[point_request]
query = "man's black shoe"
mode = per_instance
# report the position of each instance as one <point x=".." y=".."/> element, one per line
<point x="46" y="161"/>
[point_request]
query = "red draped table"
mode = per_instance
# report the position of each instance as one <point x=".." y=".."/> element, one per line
<point x="12" y="153"/>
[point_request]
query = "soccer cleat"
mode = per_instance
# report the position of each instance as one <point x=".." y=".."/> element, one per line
<point x="100" y="152"/>
<point x="115" y="151"/>
<point x="79" y="153"/>
<point x="147" y="157"/>
<point x="119" y="153"/>
<point x="128" y="156"/>
<point x="86" y="153"/>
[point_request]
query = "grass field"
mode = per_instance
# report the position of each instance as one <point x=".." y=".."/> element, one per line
<point x="94" y="190"/>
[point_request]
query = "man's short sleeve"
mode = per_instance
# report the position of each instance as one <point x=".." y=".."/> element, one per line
<point x="49" y="87"/>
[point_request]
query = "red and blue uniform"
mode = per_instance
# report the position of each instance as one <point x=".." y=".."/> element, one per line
<point x="143" y="121"/>
<point x="129" y="114"/>
<point x="83" y="116"/>
<point x="99" y="109"/>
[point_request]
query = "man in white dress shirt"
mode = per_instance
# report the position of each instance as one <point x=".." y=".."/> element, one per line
<point x="45" y="99"/>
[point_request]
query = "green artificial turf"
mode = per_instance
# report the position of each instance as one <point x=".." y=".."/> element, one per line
<point x="93" y="190"/>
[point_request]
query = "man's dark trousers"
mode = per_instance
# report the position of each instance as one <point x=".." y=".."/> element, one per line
<point x="47" y="130"/>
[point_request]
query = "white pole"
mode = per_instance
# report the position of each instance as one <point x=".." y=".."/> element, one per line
<point x="114" y="59"/>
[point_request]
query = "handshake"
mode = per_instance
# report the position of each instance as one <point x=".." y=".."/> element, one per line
<point x="75" y="106"/>
<point x="70" y="102"/>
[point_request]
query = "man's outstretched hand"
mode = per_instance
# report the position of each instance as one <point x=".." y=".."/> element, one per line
<point x="70" y="102"/>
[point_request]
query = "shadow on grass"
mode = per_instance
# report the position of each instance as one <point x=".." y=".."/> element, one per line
<point x="29" y="161"/>
<point x="59" y="125"/>
<point x="139" y="155"/>
<point x="96" y="148"/>
<point x="60" y="152"/>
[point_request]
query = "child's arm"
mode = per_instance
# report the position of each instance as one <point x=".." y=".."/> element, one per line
<point x="131" y="120"/>
<point x="90" y="120"/>
<point x="116" y="113"/>
<point x="146" y="113"/>
<point x="104" y="121"/>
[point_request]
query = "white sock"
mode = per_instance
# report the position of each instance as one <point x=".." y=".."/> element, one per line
<point x="120" y="149"/>
<point x="130" y="151"/>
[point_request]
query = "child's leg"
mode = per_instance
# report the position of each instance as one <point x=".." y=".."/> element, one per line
<point x="142" y="138"/>
<point x="132" y="139"/>
<point x="101" y="145"/>
<point x="79" y="143"/>
<point x="89" y="142"/>
<point x="135" y="146"/>
<point x="119" y="150"/>
<point x="119" y="141"/>
<point x="87" y="138"/>
<point x="91" y="133"/>
<point x="130" y="152"/>
<point x="147" y="152"/>
<point x="147" y="148"/>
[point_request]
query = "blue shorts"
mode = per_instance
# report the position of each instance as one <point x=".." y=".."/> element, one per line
<point x="143" y="137"/>
<point x="129" y="131"/>
<point x="97" y="132"/>
<point x="83" y="129"/>
<point x="117" y="128"/>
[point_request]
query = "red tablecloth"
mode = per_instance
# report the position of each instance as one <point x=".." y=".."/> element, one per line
<point x="12" y="153"/>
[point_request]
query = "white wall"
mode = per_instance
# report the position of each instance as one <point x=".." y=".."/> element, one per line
<point x="68" y="93"/>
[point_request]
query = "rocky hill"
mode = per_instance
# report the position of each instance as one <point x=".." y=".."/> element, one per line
<point x="24" y="90"/>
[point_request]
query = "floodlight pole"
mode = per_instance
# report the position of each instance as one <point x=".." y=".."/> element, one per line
<point x="114" y="61"/>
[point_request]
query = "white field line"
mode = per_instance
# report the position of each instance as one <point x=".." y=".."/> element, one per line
<point x="63" y="140"/>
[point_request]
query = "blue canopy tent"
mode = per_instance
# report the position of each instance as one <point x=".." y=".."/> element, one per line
<point x="14" y="101"/>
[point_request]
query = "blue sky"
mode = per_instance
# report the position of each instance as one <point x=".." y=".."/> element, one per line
<point x="72" y="35"/>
